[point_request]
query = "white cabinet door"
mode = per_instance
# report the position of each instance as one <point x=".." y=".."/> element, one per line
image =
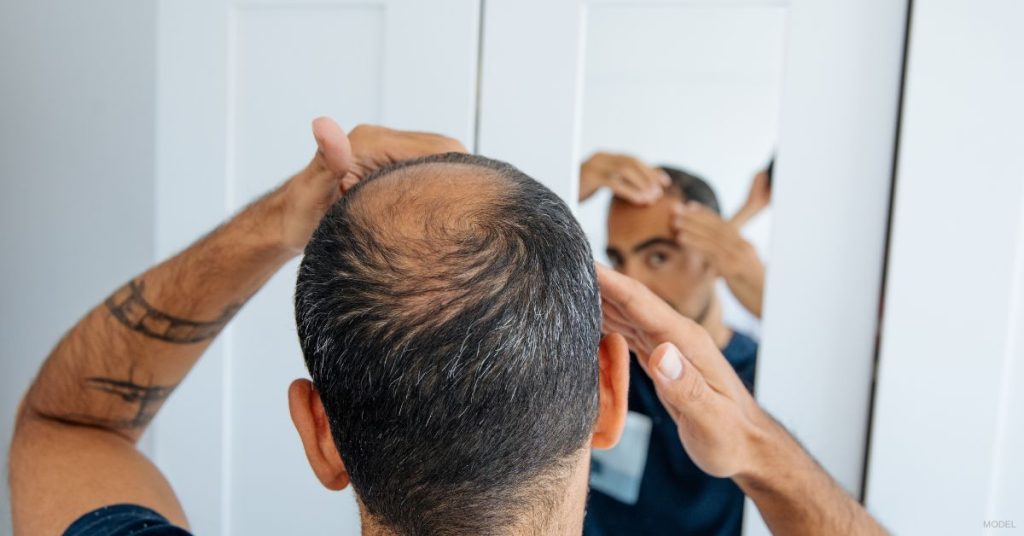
<point x="947" y="436"/>
<point x="238" y="83"/>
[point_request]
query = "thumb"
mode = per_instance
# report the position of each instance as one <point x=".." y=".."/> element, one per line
<point x="334" y="152"/>
<point x="680" y="385"/>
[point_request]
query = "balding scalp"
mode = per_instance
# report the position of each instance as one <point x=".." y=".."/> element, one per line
<point x="449" y="316"/>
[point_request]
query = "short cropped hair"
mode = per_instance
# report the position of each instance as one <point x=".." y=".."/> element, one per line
<point x="692" y="188"/>
<point x="453" y="340"/>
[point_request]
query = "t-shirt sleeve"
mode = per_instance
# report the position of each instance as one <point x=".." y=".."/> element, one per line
<point x="124" y="520"/>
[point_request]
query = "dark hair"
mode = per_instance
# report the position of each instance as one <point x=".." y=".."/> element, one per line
<point x="692" y="188"/>
<point x="453" y="340"/>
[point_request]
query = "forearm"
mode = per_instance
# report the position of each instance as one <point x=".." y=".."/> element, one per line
<point x="795" y="495"/>
<point x="749" y="289"/>
<point x="115" y="367"/>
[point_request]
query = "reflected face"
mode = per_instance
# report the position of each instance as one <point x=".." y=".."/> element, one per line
<point x="641" y="245"/>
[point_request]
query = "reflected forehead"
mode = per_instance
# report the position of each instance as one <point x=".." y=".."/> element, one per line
<point x="632" y="225"/>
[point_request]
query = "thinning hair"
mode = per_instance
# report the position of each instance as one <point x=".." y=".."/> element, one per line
<point x="449" y="315"/>
<point x="692" y="188"/>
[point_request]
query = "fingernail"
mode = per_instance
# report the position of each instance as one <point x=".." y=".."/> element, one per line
<point x="671" y="366"/>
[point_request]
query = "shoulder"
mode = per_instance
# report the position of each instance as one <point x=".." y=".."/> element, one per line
<point x="740" y="347"/>
<point x="124" y="520"/>
<point x="741" y="353"/>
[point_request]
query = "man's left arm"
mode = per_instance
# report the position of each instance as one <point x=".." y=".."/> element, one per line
<point x="74" y="443"/>
<point x="729" y="253"/>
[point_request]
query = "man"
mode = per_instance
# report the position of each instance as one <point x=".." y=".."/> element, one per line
<point x="677" y="245"/>
<point x="449" y="316"/>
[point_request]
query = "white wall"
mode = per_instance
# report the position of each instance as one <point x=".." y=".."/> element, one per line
<point x="76" y="174"/>
<point x="949" y="414"/>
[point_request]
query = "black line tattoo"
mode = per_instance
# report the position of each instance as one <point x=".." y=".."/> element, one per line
<point x="147" y="397"/>
<point x="134" y="312"/>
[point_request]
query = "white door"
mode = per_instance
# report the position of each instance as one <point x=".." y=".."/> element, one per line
<point x="948" y="434"/>
<point x="238" y="83"/>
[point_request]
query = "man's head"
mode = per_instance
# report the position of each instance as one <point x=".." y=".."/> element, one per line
<point x="641" y="245"/>
<point x="449" y="316"/>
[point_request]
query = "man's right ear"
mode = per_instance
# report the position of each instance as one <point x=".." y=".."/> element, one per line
<point x="314" y="429"/>
<point x="613" y="359"/>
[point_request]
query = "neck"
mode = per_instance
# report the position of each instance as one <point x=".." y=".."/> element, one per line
<point x="715" y="325"/>
<point x="565" y="519"/>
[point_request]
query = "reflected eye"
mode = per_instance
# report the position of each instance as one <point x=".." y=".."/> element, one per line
<point x="615" y="259"/>
<point x="656" y="259"/>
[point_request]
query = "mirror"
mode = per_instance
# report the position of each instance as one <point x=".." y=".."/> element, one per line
<point x="685" y="96"/>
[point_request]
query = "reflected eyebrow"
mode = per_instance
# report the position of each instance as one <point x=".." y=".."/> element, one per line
<point x="656" y="241"/>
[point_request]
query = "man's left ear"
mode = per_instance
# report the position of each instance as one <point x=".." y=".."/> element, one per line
<point x="613" y="359"/>
<point x="314" y="429"/>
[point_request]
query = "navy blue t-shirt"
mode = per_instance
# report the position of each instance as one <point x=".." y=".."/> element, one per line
<point x="675" y="496"/>
<point x="124" y="520"/>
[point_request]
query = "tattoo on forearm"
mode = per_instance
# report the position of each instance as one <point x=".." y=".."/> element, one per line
<point x="134" y="312"/>
<point x="146" y="398"/>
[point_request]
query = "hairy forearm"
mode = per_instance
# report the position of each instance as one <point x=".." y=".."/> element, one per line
<point x="749" y="289"/>
<point x="795" y="495"/>
<point x="115" y="368"/>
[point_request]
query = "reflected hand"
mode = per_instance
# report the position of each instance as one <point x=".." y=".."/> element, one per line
<point x="339" y="164"/>
<point x="628" y="177"/>
<point x="758" y="198"/>
<point x="719" y="422"/>
<point x="730" y="254"/>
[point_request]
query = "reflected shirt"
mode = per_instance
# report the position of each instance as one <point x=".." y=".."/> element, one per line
<point x="124" y="520"/>
<point x="675" y="496"/>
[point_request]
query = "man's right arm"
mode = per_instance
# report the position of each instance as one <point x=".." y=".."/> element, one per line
<point x="795" y="495"/>
<point x="723" y="429"/>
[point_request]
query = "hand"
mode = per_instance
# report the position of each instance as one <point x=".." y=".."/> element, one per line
<point x="339" y="164"/>
<point x="719" y="423"/>
<point x="757" y="199"/>
<point x="629" y="178"/>
<point x="722" y="428"/>
<point x="731" y="255"/>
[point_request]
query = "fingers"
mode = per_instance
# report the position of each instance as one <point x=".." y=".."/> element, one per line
<point x="629" y="178"/>
<point x="628" y="185"/>
<point x="703" y="228"/>
<point x="641" y="316"/>
<point x="679" y="383"/>
<point x="334" y="152"/>
<point x="646" y="321"/>
<point x="374" y="147"/>
<point x="694" y="214"/>
<point x="709" y="421"/>
<point x="634" y="303"/>
<point x="637" y="182"/>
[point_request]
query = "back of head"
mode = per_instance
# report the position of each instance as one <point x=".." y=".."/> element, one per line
<point x="449" y="315"/>
<point x="692" y="188"/>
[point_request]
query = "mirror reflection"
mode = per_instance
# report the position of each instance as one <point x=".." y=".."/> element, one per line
<point x="680" y="119"/>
